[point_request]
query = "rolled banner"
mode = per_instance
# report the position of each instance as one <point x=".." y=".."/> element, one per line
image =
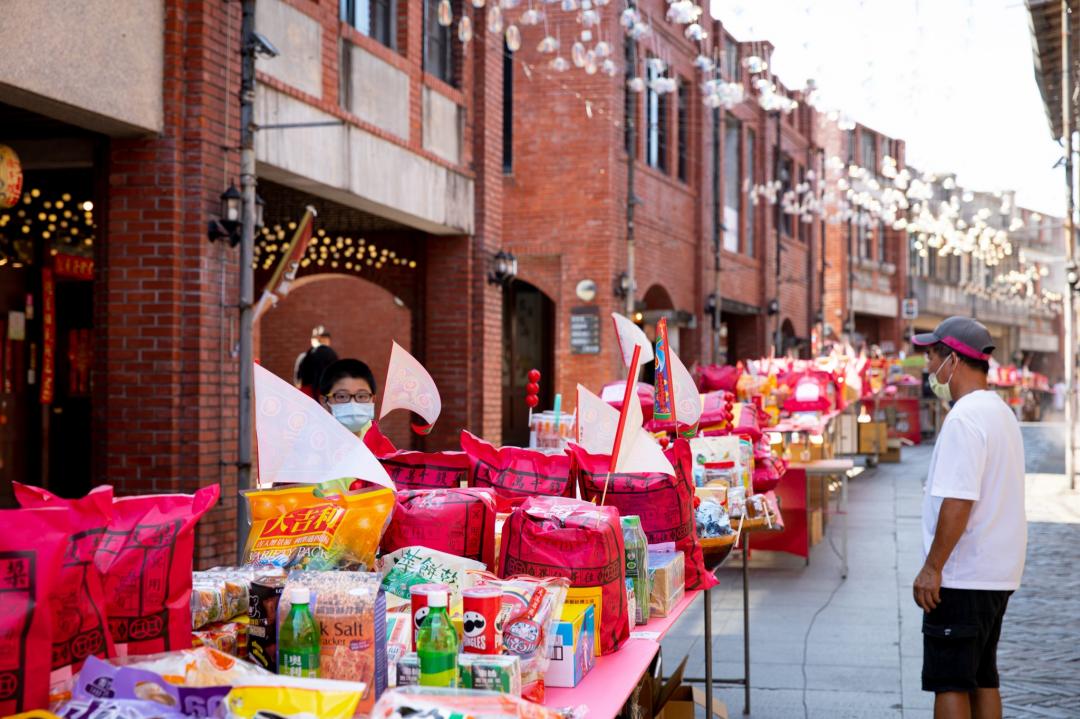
<point x="409" y="386"/>
<point x="630" y="336"/>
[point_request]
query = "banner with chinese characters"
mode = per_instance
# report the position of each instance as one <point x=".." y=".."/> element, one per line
<point x="48" y="335"/>
<point x="73" y="267"/>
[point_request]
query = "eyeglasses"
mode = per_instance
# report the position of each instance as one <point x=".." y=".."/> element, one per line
<point x="341" y="397"/>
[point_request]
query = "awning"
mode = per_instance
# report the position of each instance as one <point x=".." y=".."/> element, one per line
<point x="1045" y="23"/>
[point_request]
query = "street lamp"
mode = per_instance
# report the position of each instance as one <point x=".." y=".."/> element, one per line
<point x="503" y="268"/>
<point x="228" y="226"/>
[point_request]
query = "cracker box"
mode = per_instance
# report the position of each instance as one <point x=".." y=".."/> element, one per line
<point x="667" y="574"/>
<point x="491" y="672"/>
<point x="572" y="655"/>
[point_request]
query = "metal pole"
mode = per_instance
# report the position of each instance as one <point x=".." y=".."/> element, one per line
<point x="631" y="159"/>
<point x="778" y="216"/>
<point x="717" y="124"/>
<point x="1070" y="242"/>
<point x="247" y="274"/>
<point x="708" y="654"/>
<point x="746" y="623"/>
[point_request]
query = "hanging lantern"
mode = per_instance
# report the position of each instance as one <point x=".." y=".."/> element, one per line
<point x="11" y="177"/>
<point x="478" y="3"/>
<point x="608" y="67"/>
<point x="531" y="17"/>
<point x="495" y="19"/>
<point x="590" y="63"/>
<point x="509" y="4"/>
<point x="513" y="38"/>
<point x="464" y="29"/>
<point x="602" y="49"/>
<point x="445" y="14"/>
<point x="548" y="45"/>
<point x="560" y="64"/>
<point x="577" y="54"/>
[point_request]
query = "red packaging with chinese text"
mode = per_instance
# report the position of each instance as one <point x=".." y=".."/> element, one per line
<point x="456" y="521"/>
<point x="417" y="470"/>
<point x="559" y="537"/>
<point x="145" y="558"/>
<point x="515" y="473"/>
<point x="32" y="549"/>
<point x="664" y="503"/>
<point x="79" y="622"/>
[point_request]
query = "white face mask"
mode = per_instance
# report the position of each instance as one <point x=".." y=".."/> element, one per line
<point x="939" y="388"/>
<point x="353" y="415"/>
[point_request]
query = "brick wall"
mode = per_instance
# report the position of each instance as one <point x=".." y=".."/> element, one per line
<point x="363" y="319"/>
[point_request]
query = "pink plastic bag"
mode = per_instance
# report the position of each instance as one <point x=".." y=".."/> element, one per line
<point x="32" y="548"/>
<point x="664" y="503"/>
<point x="514" y="473"/>
<point x="417" y="470"/>
<point x="146" y="559"/>
<point x="712" y="378"/>
<point x="456" y="521"/>
<point x="559" y="537"/>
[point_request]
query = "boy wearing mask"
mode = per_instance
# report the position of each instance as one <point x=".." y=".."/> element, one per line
<point x="347" y="391"/>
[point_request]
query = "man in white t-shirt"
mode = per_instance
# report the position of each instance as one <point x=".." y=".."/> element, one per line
<point x="974" y="527"/>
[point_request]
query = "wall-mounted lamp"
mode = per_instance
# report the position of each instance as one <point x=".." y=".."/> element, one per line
<point x="227" y="227"/>
<point x="622" y="285"/>
<point x="504" y="268"/>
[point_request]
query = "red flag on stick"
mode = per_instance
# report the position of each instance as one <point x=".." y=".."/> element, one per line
<point x="285" y="272"/>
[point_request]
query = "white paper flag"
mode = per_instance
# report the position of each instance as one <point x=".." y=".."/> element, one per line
<point x="409" y="386"/>
<point x="687" y="398"/>
<point x="630" y="335"/>
<point x="300" y="442"/>
<point x="598" y="422"/>
<point x="639" y="451"/>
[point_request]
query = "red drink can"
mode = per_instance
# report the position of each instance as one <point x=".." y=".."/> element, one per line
<point x="481" y="607"/>
<point x="418" y="593"/>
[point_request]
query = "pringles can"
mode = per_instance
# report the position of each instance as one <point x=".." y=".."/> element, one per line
<point x="481" y="609"/>
<point x="418" y="593"/>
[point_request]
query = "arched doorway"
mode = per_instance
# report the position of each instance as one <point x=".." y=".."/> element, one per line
<point x="528" y="343"/>
<point x="362" y="318"/>
<point x="788" y="341"/>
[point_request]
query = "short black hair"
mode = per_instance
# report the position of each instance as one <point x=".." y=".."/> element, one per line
<point x="343" y="368"/>
<point x="940" y="349"/>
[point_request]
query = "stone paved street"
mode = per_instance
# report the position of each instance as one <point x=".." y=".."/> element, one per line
<point x="821" y="647"/>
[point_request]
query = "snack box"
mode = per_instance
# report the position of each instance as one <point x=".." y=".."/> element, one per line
<point x="667" y="575"/>
<point x="490" y="672"/>
<point x="572" y="654"/>
<point x="263" y="597"/>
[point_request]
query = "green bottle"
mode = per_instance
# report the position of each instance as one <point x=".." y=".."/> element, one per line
<point x="636" y="544"/>
<point x="437" y="645"/>
<point x="298" y="638"/>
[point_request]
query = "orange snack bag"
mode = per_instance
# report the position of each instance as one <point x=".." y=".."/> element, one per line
<point x="295" y="528"/>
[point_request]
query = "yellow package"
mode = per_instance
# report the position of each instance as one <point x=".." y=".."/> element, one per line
<point x="306" y="699"/>
<point x="295" y="528"/>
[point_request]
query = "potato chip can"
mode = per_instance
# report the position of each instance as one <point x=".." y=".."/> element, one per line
<point x="418" y="593"/>
<point x="481" y="609"/>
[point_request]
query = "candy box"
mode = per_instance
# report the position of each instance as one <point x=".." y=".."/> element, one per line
<point x="263" y="597"/>
<point x="572" y="654"/>
<point x="666" y="574"/>
<point x="491" y="672"/>
<point x="408" y="670"/>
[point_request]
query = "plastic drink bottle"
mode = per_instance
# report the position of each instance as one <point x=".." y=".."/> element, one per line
<point x="298" y="638"/>
<point x="437" y="645"/>
<point x="636" y="545"/>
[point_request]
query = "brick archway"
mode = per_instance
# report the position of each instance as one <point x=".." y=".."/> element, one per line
<point x="362" y="317"/>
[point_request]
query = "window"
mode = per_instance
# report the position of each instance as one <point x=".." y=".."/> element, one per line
<point x="438" y="45"/>
<point x="731" y="60"/>
<point x="656" y="133"/>
<point x="751" y="180"/>
<point x="804" y="227"/>
<point x="732" y="184"/>
<point x="786" y="169"/>
<point x="882" y="247"/>
<point x="374" y="18"/>
<point x="508" y="110"/>
<point x="867" y="155"/>
<point x="914" y="260"/>
<point x="862" y="237"/>
<point x="684" y="129"/>
<point x="630" y="110"/>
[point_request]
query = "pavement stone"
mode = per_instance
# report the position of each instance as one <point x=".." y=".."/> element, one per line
<point x="864" y="654"/>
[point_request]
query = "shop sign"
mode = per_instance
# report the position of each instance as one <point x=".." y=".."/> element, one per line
<point x="73" y="267"/>
<point x="48" y="335"/>
<point x="909" y="309"/>
<point x="11" y="177"/>
<point x="585" y="330"/>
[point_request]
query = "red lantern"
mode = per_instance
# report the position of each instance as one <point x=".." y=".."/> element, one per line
<point x="11" y="177"/>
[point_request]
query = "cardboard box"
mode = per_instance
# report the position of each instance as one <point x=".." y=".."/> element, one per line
<point x="572" y="654"/>
<point x="846" y="435"/>
<point x="674" y="700"/>
<point x="667" y="576"/>
<point x="817" y="526"/>
<point x="873" y="437"/>
<point x="892" y="453"/>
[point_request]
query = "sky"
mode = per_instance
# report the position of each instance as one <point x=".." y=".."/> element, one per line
<point x="954" y="79"/>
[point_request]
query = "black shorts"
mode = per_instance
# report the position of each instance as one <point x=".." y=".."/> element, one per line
<point x="960" y="638"/>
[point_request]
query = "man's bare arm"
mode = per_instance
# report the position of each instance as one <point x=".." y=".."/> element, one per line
<point x="952" y="521"/>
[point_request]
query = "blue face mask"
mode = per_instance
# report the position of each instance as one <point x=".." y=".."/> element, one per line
<point x="354" y="415"/>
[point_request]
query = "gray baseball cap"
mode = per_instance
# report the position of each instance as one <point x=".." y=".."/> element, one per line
<point x="965" y="335"/>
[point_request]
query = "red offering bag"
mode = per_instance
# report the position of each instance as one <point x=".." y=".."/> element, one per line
<point x="456" y="521"/>
<point x="664" y="503"/>
<point x="79" y="623"/>
<point x="559" y="537"/>
<point x="515" y="473"/>
<point x="32" y="549"/>
<point x="417" y="470"/>
<point x="145" y="558"/>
